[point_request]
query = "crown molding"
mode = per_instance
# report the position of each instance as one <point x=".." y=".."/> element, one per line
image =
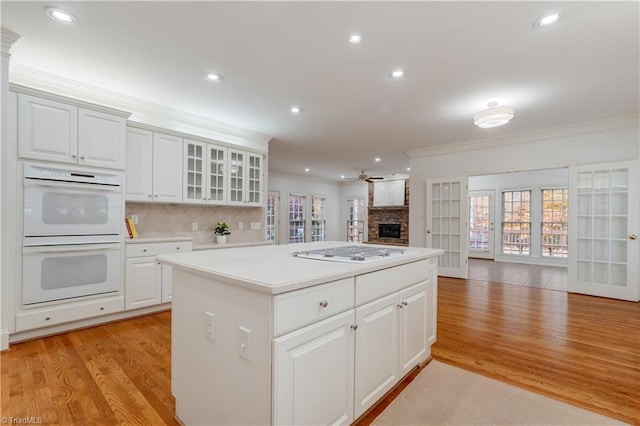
<point x="143" y="111"/>
<point x="628" y="120"/>
<point x="7" y="38"/>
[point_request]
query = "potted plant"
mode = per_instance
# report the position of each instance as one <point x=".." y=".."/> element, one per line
<point x="221" y="230"/>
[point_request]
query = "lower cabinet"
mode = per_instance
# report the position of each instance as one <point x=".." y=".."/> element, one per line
<point x="147" y="282"/>
<point x="332" y="371"/>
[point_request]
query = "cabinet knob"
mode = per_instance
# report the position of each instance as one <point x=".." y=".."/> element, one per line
<point x="47" y="318"/>
<point x="354" y="327"/>
<point x="82" y="157"/>
<point x="400" y="305"/>
<point x="404" y="303"/>
<point x="150" y="195"/>
<point x="144" y="250"/>
<point x="73" y="156"/>
<point x="102" y="308"/>
<point x="324" y="303"/>
<point x="178" y="248"/>
<point x="633" y="237"/>
<point x="156" y="195"/>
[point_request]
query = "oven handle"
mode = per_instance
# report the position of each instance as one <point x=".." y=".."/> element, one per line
<point x="70" y="185"/>
<point x="70" y="248"/>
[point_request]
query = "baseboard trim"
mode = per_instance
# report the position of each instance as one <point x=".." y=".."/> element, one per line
<point x="4" y="340"/>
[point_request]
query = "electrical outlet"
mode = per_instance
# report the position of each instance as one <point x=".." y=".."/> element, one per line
<point x="194" y="226"/>
<point x="134" y="219"/>
<point x="210" y="325"/>
<point x="240" y="226"/>
<point x="244" y="343"/>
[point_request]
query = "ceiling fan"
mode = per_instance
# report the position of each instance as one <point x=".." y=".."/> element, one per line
<point x="366" y="178"/>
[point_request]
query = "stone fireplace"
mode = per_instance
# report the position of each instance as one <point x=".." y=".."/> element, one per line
<point x="389" y="224"/>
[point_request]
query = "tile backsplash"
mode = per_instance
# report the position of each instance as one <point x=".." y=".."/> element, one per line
<point x="161" y="220"/>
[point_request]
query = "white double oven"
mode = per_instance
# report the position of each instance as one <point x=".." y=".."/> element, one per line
<point x="72" y="240"/>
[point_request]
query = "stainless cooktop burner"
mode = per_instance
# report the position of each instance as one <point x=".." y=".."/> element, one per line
<point x="350" y="253"/>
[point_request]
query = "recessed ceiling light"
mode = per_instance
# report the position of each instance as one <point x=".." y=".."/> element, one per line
<point x="214" y="77"/>
<point x="355" y="38"/>
<point x="296" y="109"/>
<point x="408" y="169"/>
<point x="60" y="15"/>
<point x="341" y="176"/>
<point x="377" y="159"/>
<point x="397" y="73"/>
<point x="545" y="21"/>
<point x="306" y="170"/>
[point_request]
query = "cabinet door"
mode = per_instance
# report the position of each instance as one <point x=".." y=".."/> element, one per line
<point x="101" y="139"/>
<point x="432" y="304"/>
<point x="139" y="168"/>
<point x="236" y="179"/>
<point x="216" y="175"/>
<point x="376" y="351"/>
<point x="143" y="283"/>
<point x="313" y="373"/>
<point x="167" y="168"/>
<point x="47" y="130"/>
<point x="193" y="167"/>
<point x="254" y="179"/>
<point x="413" y="311"/>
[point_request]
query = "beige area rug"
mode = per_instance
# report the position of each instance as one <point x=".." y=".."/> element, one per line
<point x="446" y="395"/>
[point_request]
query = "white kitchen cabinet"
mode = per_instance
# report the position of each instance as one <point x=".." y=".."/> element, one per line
<point x="50" y="130"/>
<point x="147" y="282"/>
<point x="205" y="176"/>
<point x="313" y="374"/>
<point x="154" y="167"/>
<point x="246" y="177"/>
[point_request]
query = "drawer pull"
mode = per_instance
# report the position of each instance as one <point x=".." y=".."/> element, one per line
<point x="324" y="303"/>
<point x="47" y="318"/>
<point x="102" y="308"/>
<point x="354" y="327"/>
<point x="178" y="248"/>
<point x="144" y="250"/>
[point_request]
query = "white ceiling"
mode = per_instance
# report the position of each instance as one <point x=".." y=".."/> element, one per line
<point x="457" y="56"/>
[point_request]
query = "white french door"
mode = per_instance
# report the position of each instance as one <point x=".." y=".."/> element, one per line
<point x="603" y="228"/>
<point x="481" y="224"/>
<point x="446" y="221"/>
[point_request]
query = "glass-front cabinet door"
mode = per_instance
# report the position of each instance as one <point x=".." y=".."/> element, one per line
<point x="236" y="177"/>
<point x="254" y="179"/>
<point x="217" y="160"/>
<point x="194" y="163"/>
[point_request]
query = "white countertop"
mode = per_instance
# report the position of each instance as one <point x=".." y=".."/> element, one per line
<point x="144" y="240"/>
<point x="272" y="269"/>
<point x="216" y="246"/>
<point x="196" y="246"/>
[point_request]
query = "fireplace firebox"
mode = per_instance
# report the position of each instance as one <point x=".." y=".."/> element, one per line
<point x="389" y="230"/>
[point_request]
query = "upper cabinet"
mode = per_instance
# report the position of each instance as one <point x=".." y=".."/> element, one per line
<point x="154" y="167"/>
<point x="50" y="130"/>
<point x="245" y="175"/>
<point x="204" y="179"/>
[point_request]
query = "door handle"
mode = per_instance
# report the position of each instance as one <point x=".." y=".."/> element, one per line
<point x="633" y="237"/>
<point x="428" y="231"/>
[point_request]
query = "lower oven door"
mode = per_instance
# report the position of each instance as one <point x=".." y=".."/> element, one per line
<point x="51" y="273"/>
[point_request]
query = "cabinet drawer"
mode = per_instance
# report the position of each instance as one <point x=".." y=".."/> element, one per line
<point x="380" y="283"/>
<point x="297" y="308"/>
<point x="67" y="313"/>
<point x="154" y="249"/>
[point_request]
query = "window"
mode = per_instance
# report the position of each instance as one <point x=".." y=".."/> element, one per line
<point x="317" y="219"/>
<point x="272" y="209"/>
<point x="516" y="222"/>
<point x="555" y="212"/>
<point x="296" y="218"/>
<point x="355" y="221"/>
<point x="479" y="221"/>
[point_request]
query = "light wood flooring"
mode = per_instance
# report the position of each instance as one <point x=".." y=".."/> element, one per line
<point x="578" y="349"/>
<point x="551" y="277"/>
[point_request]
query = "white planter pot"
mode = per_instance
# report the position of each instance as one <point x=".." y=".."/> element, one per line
<point x="221" y="239"/>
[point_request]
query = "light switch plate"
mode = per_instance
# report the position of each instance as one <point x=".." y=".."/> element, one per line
<point x="244" y="343"/>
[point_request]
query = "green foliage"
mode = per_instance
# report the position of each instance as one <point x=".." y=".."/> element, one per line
<point x="222" y="228"/>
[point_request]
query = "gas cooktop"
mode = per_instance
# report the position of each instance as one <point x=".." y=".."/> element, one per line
<point x="351" y="254"/>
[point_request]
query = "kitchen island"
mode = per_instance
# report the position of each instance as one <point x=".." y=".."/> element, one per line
<point x="260" y="336"/>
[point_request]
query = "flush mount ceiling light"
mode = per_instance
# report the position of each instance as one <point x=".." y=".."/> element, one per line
<point x="546" y="20"/>
<point x="306" y="169"/>
<point x="396" y="74"/>
<point x="60" y="16"/>
<point x="493" y="116"/>
<point x="296" y="110"/>
<point x="355" y="38"/>
<point x="213" y="77"/>
<point x="377" y="159"/>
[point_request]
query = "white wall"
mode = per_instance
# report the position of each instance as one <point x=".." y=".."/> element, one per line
<point x="552" y="152"/>
<point x="332" y="191"/>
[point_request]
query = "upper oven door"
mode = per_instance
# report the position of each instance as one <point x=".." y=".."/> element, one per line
<point x="71" y="209"/>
